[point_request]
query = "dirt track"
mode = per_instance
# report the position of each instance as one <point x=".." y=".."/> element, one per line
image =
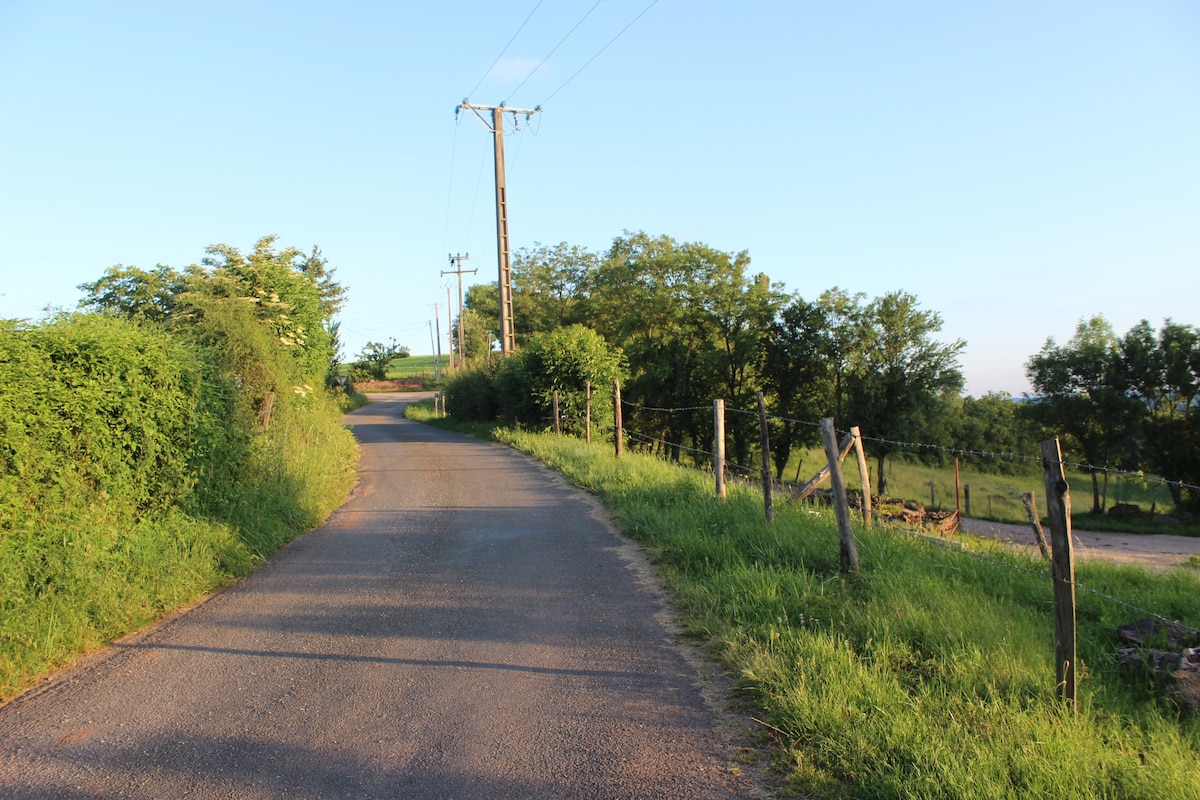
<point x="1153" y="551"/>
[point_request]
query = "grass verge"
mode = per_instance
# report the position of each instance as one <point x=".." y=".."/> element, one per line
<point x="930" y="674"/>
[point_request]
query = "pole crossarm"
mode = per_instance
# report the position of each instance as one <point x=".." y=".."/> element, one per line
<point x="503" y="109"/>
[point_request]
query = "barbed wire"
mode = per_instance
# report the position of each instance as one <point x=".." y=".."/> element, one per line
<point x="931" y="447"/>
<point x="960" y="549"/>
<point x="641" y="437"/>
<point x="950" y="450"/>
<point x="955" y="547"/>
<point x="957" y="451"/>
<point x="628" y="404"/>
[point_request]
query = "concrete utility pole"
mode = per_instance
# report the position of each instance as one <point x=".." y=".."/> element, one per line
<point x="459" y="271"/>
<point x="496" y="126"/>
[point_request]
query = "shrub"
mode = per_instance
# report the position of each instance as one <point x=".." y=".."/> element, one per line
<point x="520" y="389"/>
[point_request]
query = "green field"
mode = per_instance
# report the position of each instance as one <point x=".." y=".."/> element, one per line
<point x="414" y="367"/>
<point x="997" y="497"/>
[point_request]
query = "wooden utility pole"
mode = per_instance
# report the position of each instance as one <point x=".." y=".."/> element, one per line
<point x="459" y="271"/>
<point x="450" y="332"/>
<point x="508" y="342"/>
<point x="437" y="343"/>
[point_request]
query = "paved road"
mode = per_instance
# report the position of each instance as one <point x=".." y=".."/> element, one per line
<point x="466" y="626"/>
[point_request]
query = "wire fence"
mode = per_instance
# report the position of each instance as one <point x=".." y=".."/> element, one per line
<point x="659" y="444"/>
<point x="944" y="449"/>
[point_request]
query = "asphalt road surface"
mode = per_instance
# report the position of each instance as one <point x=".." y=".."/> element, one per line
<point x="465" y="626"/>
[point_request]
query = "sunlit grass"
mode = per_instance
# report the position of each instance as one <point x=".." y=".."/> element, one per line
<point x="997" y="496"/>
<point x="930" y="674"/>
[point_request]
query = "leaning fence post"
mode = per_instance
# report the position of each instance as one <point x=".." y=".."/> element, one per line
<point x="1030" y="502"/>
<point x="841" y="507"/>
<point x="617" y="417"/>
<point x="557" y="416"/>
<point x="768" y="501"/>
<point x="719" y="445"/>
<point x="864" y="475"/>
<point x="1058" y="510"/>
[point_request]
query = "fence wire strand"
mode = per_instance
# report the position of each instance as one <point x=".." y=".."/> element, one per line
<point x="961" y="550"/>
<point x="655" y="441"/>
<point x="957" y="451"/>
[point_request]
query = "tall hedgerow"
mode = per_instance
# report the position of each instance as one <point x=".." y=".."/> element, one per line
<point x="160" y="446"/>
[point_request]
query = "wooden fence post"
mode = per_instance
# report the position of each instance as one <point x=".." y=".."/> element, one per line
<point x="1058" y="508"/>
<point x="617" y="417"/>
<point x="587" y="417"/>
<point x="967" y="498"/>
<point x="719" y="446"/>
<point x="841" y="507"/>
<point x="768" y="501"/>
<point x="957" y="487"/>
<point x="557" y="416"/>
<point x="864" y="476"/>
<point x="1029" y="500"/>
<point x="932" y="497"/>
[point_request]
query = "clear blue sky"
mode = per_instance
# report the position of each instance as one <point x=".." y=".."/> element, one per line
<point x="1015" y="165"/>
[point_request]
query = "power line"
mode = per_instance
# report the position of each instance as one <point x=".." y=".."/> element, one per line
<point x="598" y="52"/>
<point x="450" y="187"/>
<point x="560" y="42"/>
<point x="505" y="50"/>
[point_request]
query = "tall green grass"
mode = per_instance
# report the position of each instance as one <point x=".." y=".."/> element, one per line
<point x="930" y="674"/>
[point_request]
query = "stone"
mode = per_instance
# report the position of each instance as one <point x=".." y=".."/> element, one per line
<point x="1171" y="653"/>
<point x="1147" y="632"/>
<point x="1183" y="685"/>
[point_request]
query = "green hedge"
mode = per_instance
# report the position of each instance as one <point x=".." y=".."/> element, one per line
<point x="136" y="473"/>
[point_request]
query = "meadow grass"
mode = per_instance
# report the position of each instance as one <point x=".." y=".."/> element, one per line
<point x="997" y="496"/>
<point x="929" y="674"/>
<point x="414" y="367"/>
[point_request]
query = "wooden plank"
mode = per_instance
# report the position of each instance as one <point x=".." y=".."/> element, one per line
<point x="822" y="475"/>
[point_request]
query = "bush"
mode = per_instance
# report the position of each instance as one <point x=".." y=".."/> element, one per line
<point x="520" y="389"/>
<point x="139" y="468"/>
